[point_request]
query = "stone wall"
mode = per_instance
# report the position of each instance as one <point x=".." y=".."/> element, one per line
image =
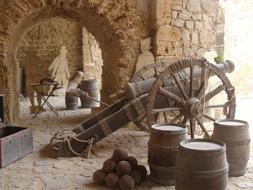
<point x="117" y="25"/>
<point x="92" y="58"/>
<point x="188" y="28"/>
<point x="39" y="47"/>
<point x="180" y="28"/>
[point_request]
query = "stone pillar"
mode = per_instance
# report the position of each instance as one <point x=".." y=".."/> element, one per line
<point x="92" y="58"/>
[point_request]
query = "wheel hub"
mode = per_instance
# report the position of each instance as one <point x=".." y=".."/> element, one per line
<point x="194" y="108"/>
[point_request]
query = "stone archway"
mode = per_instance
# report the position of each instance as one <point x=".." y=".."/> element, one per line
<point x="114" y="24"/>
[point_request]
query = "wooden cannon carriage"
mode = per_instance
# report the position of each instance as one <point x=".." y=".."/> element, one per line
<point x="177" y="92"/>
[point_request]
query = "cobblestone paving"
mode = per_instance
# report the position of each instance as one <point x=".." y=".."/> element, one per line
<point x="39" y="172"/>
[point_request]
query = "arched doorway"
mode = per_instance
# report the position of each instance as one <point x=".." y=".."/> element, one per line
<point x="41" y="45"/>
<point x="114" y="30"/>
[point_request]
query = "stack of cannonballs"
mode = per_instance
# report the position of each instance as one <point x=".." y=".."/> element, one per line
<point x="120" y="171"/>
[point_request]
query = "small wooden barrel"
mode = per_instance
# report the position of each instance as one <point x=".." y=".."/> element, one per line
<point x="235" y="133"/>
<point x="162" y="152"/>
<point x="91" y="87"/>
<point x="71" y="102"/>
<point x="201" y="165"/>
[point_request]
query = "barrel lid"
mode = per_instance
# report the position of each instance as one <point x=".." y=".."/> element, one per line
<point x="231" y="123"/>
<point x="168" y="128"/>
<point x="202" y="145"/>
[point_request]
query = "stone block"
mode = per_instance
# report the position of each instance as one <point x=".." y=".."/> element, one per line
<point x="194" y="38"/>
<point x="178" y="23"/>
<point x="177" y="8"/>
<point x="184" y="15"/>
<point x="177" y="2"/>
<point x="185" y="36"/>
<point x="189" y="25"/>
<point x="173" y="14"/>
<point x="168" y="33"/>
<point x="207" y="37"/>
<point x="198" y="25"/>
<point x="209" y="6"/>
<point x="194" y="6"/>
<point x="197" y="16"/>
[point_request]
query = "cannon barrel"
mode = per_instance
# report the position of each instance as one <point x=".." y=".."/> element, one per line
<point x="134" y="90"/>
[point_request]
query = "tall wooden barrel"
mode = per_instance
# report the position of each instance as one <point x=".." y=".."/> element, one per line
<point x="201" y="165"/>
<point x="91" y="87"/>
<point x="71" y="102"/>
<point x="162" y="152"/>
<point x="235" y="133"/>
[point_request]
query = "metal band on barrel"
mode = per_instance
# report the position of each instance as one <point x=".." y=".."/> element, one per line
<point x="139" y="108"/>
<point x="128" y="112"/>
<point x="105" y="127"/>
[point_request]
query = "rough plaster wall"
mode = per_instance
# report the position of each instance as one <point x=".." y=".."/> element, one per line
<point x="41" y="45"/>
<point x="188" y="28"/>
<point x="92" y="58"/>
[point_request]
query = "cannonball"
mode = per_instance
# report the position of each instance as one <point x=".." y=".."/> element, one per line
<point x="126" y="182"/>
<point x="111" y="180"/>
<point x="119" y="155"/>
<point x="136" y="175"/>
<point x="123" y="167"/>
<point x="98" y="177"/>
<point x="143" y="171"/>
<point x="109" y="166"/>
<point x="132" y="160"/>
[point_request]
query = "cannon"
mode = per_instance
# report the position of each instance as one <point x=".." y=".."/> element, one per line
<point x="177" y="92"/>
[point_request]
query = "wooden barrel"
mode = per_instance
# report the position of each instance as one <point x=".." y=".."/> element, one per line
<point x="235" y="133"/>
<point x="71" y="102"/>
<point x="91" y="87"/>
<point x="162" y="152"/>
<point x="201" y="165"/>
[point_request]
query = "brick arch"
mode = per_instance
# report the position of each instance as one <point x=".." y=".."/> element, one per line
<point x="113" y="24"/>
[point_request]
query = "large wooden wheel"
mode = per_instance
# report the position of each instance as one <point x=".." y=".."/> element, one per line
<point x="188" y="100"/>
<point x="148" y="71"/>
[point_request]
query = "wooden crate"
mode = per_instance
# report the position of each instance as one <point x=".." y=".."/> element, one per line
<point x="15" y="142"/>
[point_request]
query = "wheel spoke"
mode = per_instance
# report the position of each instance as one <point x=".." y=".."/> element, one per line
<point x="156" y="117"/>
<point x="214" y="92"/>
<point x="143" y="78"/>
<point x="156" y="72"/>
<point x="166" y="110"/>
<point x="192" y="127"/>
<point x="204" y="83"/>
<point x="171" y="96"/>
<point x="180" y="86"/>
<point x="191" y="80"/>
<point x="165" y="117"/>
<point x="208" y="117"/>
<point x="173" y="113"/>
<point x="141" y="126"/>
<point x="200" y="90"/>
<point x="203" y="128"/>
<point x="217" y="106"/>
<point x="184" y="121"/>
<point x="176" y="118"/>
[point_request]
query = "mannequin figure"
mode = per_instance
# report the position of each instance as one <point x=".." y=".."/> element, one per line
<point x="146" y="57"/>
<point x="58" y="70"/>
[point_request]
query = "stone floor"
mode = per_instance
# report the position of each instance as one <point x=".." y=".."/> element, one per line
<point x="39" y="172"/>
